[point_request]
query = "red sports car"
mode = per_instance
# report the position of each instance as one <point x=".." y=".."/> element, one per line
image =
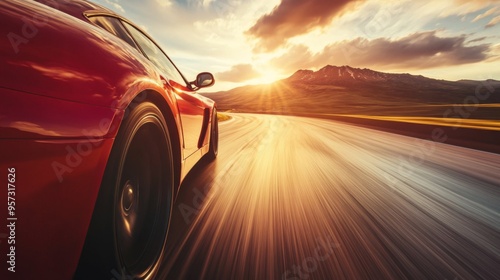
<point x="98" y="128"/>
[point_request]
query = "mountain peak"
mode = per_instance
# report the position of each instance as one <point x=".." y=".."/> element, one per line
<point x="303" y="75"/>
<point x="331" y="74"/>
<point x="334" y="67"/>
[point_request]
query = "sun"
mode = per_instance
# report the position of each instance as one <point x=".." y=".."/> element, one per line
<point x="269" y="76"/>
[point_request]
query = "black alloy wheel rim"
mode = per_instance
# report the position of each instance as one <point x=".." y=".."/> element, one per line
<point x="142" y="201"/>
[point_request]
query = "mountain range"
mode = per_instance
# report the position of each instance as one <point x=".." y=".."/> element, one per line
<point x="346" y="74"/>
<point x="348" y="90"/>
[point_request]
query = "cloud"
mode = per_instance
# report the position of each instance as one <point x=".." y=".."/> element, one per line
<point x="468" y="6"/>
<point x="296" y="57"/>
<point x="489" y="12"/>
<point x="494" y="54"/>
<point x="238" y="73"/>
<point x="421" y="50"/>
<point x="292" y="18"/>
<point x="164" y="3"/>
<point x="463" y="7"/>
<point x="206" y="3"/>
<point x="116" y="5"/>
<point x="495" y="12"/>
<point x="477" y="40"/>
<point x="479" y="3"/>
<point x="493" y="22"/>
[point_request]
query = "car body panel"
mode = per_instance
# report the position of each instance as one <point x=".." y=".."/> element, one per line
<point x="192" y="120"/>
<point x="55" y="196"/>
<point x="65" y="87"/>
<point x="55" y="119"/>
<point x="89" y="66"/>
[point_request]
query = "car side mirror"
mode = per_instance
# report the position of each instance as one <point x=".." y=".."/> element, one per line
<point x="204" y="79"/>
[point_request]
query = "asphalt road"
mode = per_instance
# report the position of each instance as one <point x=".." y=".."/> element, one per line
<point x="301" y="198"/>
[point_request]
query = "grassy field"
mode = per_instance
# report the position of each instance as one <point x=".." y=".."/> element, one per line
<point x="221" y="117"/>
<point x="460" y="102"/>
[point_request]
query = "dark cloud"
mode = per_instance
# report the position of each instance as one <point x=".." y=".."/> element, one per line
<point x="294" y="17"/>
<point x="417" y="51"/>
<point x="238" y="73"/>
<point x="476" y="40"/>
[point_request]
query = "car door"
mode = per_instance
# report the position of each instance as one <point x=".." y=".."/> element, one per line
<point x="190" y="107"/>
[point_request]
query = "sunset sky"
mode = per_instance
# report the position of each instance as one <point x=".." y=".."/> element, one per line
<point x="255" y="42"/>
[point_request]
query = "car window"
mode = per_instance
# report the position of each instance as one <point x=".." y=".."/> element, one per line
<point x="156" y="55"/>
<point x="113" y="26"/>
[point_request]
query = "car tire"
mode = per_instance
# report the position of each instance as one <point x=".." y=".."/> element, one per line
<point x="214" y="137"/>
<point x="127" y="235"/>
